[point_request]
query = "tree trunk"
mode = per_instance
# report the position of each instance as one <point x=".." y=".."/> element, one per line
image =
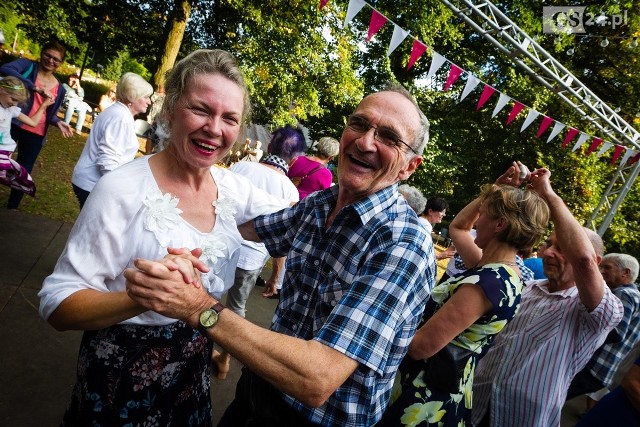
<point x="176" y="25"/>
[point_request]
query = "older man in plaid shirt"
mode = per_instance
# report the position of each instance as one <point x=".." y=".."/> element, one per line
<point x="359" y="270"/>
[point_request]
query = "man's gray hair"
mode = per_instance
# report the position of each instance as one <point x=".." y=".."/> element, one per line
<point x="422" y="134"/>
<point x="624" y="261"/>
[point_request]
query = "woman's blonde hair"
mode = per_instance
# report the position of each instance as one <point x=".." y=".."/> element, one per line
<point x="526" y="214"/>
<point x="201" y="61"/>
<point x="14" y="87"/>
<point x="132" y="87"/>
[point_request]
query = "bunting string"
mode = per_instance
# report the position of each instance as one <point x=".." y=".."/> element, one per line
<point x="418" y="49"/>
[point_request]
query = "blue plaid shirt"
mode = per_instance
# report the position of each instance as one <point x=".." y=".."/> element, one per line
<point x="604" y="362"/>
<point x="358" y="286"/>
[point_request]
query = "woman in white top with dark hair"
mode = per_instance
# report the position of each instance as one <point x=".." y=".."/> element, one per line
<point x="112" y="140"/>
<point x="136" y="366"/>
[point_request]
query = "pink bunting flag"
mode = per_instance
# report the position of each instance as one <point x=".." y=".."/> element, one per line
<point x="594" y="145"/>
<point x="517" y="107"/>
<point x="570" y="135"/>
<point x="416" y="52"/>
<point x="454" y="74"/>
<point x="616" y="153"/>
<point x="323" y="3"/>
<point x="544" y="125"/>
<point x="377" y="21"/>
<point x="634" y="159"/>
<point x="484" y="97"/>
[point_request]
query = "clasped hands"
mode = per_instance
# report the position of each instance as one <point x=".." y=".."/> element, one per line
<point x="518" y="174"/>
<point x="171" y="286"/>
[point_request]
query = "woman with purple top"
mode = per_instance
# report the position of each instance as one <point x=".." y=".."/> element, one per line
<point x="310" y="173"/>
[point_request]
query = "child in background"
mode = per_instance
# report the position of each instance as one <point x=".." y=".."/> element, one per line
<point x="12" y="93"/>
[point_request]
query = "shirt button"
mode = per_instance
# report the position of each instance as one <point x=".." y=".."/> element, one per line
<point x="316" y="262"/>
<point x="305" y="297"/>
<point x="333" y="303"/>
<point x="294" y="327"/>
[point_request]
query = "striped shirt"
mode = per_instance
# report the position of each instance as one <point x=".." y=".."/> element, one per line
<point x="358" y="286"/>
<point x="523" y="379"/>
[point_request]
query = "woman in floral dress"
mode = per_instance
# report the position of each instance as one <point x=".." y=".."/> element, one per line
<point x="136" y="367"/>
<point x="468" y="310"/>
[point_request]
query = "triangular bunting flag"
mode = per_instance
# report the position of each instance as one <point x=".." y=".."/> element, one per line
<point x="634" y="159"/>
<point x="604" y="148"/>
<point x="533" y="114"/>
<point x="570" y="135"/>
<point x="323" y="3"/>
<point x="626" y="156"/>
<point x="416" y="52"/>
<point x="436" y="62"/>
<point x="352" y="10"/>
<point x="377" y="21"/>
<point x="581" y="140"/>
<point x="502" y="101"/>
<point x="472" y="82"/>
<point x="517" y="107"/>
<point x="484" y="97"/>
<point x="557" y="128"/>
<point x="454" y="74"/>
<point x="616" y="153"/>
<point x="398" y="37"/>
<point x="544" y="125"/>
<point x="594" y="145"/>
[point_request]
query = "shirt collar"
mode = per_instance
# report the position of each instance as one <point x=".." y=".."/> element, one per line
<point x="365" y="208"/>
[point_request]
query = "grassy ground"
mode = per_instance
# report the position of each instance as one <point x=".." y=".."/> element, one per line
<point x="52" y="175"/>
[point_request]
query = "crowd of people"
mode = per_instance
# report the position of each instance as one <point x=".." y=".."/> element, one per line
<point x="364" y="333"/>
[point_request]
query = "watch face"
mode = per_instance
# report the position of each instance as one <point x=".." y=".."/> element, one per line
<point x="208" y="318"/>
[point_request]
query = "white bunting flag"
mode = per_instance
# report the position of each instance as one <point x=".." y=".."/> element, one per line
<point x="533" y="114"/>
<point x="604" y="148"/>
<point x="355" y="6"/>
<point x="502" y="101"/>
<point x="398" y="37"/>
<point x="472" y="83"/>
<point x="626" y="156"/>
<point x="583" y="138"/>
<point x="557" y="128"/>
<point x="437" y="62"/>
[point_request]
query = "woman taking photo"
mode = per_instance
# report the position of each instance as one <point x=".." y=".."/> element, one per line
<point x="112" y="140"/>
<point x="136" y="367"/>
<point x="38" y="78"/>
<point x="463" y="314"/>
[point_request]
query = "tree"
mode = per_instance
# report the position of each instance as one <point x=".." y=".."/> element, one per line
<point x="174" y="32"/>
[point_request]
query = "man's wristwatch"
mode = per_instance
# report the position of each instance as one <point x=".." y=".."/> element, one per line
<point x="209" y="317"/>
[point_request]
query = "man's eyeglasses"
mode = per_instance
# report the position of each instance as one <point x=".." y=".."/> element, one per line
<point x="53" y="59"/>
<point x="381" y="134"/>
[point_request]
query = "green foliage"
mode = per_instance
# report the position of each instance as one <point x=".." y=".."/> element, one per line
<point x="124" y="63"/>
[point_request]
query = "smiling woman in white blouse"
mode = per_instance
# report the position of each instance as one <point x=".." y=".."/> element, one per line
<point x="135" y="365"/>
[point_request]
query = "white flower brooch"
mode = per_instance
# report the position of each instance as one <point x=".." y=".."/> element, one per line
<point x="162" y="212"/>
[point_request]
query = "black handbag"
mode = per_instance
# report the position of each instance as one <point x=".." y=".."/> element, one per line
<point x="445" y="369"/>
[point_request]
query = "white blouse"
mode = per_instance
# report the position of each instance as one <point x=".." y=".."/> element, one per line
<point x="127" y="217"/>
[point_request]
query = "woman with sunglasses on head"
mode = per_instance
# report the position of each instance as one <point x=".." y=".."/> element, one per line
<point x="39" y="79"/>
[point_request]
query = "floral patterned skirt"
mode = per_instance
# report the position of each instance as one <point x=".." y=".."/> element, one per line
<point x="132" y="375"/>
